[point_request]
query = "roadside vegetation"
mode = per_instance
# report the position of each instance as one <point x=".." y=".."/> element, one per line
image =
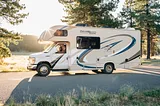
<point x="16" y="63"/>
<point x="154" y="61"/>
<point x="12" y="68"/>
<point x="126" y="97"/>
<point x="11" y="11"/>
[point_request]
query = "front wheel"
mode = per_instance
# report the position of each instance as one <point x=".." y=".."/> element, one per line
<point x="43" y="69"/>
<point x="108" y="68"/>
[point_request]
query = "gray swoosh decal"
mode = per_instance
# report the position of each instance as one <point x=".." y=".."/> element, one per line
<point x="133" y="57"/>
<point x="53" y="63"/>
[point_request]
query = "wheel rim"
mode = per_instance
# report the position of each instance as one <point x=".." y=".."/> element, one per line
<point x="109" y="68"/>
<point x="44" y="70"/>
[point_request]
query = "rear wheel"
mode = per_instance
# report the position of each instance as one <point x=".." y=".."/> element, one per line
<point x="43" y="69"/>
<point x="108" y="68"/>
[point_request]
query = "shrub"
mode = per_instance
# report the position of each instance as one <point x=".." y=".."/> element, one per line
<point x="126" y="97"/>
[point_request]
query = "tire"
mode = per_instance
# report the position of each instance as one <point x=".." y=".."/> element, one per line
<point x="108" y="68"/>
<point x="43" y="69"/>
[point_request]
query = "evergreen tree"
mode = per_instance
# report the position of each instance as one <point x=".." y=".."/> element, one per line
<point x="92" y="12"/>
<point x="145" y="15"/>
<point x="9" y="11"/>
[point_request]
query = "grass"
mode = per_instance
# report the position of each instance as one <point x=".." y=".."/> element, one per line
<point x="151" y="62"/>
<point x="16" y="63"/>
<point x="126" y="97"/>
<point x="22" y="53"/>
<point x="152" y="93"/>
<point x="154" y="61"/>
<point x="4" y="68"/>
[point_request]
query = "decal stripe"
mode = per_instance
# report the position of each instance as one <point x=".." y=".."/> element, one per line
<point x="56" y="61"/>
<point x="130" y="46"/>
<point x="106" y="41"/>
<point x="85" y="66"/>
<point x="63" y="27"/>
<point x="81" y="57"/>
<point x="133" y="57"/>
<point x="123" y="50"/>
<point x="112" y="45"/>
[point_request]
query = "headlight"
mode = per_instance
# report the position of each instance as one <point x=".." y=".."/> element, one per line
<point x="32" y="60"/>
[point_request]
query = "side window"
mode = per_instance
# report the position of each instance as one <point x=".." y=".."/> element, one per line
<point x="61" y="48"/>
<point x="61" y="33"/>
<point x="88" y="42"/>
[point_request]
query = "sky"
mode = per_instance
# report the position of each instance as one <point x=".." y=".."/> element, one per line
<point x="42" y="15"/>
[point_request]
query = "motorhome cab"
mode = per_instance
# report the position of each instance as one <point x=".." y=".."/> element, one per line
<point x="86" y="48"/>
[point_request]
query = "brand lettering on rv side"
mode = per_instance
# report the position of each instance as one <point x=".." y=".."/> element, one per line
<point x="89" y="32"/>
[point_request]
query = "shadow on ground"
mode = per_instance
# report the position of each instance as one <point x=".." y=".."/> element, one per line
<point x="53" y="85"/>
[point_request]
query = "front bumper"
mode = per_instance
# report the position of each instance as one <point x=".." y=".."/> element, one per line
<point x="32" y="66"/>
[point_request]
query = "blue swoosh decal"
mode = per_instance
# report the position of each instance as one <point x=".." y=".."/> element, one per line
<point x="106" y="41"/>
<point x="80" y="58"/>
<point x="63" y="27"/>
<point x="128" y="47"/>
<point x="112" y="45"/>
<point x="85" y="66"/>
<point x="84" y="53"/>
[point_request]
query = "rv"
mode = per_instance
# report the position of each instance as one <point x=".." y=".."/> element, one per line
<point x="86" y="48"/>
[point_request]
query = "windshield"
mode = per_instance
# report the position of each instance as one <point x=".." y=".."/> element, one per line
<point x="48" y="48"/>
<point x="56" y="48"/>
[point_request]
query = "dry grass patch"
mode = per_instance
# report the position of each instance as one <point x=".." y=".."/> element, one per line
<point x="15" y="63"/>
<point x="154" y="61"/>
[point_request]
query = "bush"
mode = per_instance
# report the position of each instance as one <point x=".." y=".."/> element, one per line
<point x="152" y="93"/>
<point x="126" y="90"/>
<point x="126" y="97"/>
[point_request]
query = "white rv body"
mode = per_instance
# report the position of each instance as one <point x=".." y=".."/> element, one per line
<point x="119" y="47"/>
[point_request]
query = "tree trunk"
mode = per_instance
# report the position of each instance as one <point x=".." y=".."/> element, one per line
<point x="152" y="46"/>
<point x="148" y="44"/>
<point x="148" y="31"/>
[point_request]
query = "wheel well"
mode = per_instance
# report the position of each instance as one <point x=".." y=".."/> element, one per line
<point x="112" y="64"/>
<point x="44" y="62"/>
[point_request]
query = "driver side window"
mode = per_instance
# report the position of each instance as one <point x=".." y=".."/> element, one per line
<point x="61" y="48"/>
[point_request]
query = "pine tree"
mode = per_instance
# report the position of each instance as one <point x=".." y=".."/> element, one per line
<point x="10" y="11"/>
<point x="91" y="12"/>
<point x="146" y="17"/>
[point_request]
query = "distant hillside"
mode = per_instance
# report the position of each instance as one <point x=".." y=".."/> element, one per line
<point x="29" y="44"/>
